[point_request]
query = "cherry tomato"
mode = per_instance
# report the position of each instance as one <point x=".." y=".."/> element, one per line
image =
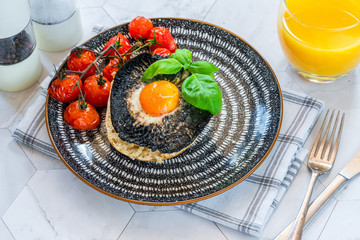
<point x="80" y="60"/>
<point x="164" y="38"/>
<point x="140" y="27"/>
<point x="97" y="90"/>
<point x="110" y="70"/>
<point x="81" y="116"/>
<point x="122" y="45"/>
<point x="164" y="52"/>
<point x="61" y="88"/>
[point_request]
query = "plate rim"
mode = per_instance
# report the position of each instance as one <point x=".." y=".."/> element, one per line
<point x="183" y="201"/>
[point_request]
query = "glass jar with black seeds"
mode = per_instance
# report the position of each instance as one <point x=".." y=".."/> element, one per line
<point x="16" y="48"/>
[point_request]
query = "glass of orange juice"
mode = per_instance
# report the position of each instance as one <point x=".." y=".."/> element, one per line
<point x="320" y="38"/>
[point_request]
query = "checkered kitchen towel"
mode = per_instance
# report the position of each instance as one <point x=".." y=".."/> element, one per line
<point x="247" y="206"/>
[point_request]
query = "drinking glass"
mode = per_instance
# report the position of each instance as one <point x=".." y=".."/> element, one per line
<point x="320" y="38"/>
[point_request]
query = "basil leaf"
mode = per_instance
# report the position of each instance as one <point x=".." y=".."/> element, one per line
<point x="164" y="66"/>
<point x="203" y="67"/>
<point x="203" y="92"/>
<point x="173" y="78"/>
<point x="184" y="56"/>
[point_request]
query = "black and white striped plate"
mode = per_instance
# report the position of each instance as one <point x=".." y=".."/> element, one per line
<point x="230" y="148"/>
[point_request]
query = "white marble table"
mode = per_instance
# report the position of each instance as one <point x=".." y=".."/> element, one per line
<point x="41" y="199"/>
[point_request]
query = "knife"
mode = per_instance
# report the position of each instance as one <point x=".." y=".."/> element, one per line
<point x="350" y="170"/>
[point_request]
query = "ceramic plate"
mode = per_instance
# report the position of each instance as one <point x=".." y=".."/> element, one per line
<point x="229" y="149"/>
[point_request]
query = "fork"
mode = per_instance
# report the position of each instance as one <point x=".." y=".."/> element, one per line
<point x="321" y="160"/>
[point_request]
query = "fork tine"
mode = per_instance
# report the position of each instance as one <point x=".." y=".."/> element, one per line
<point x="318" y="166"/>
<point x="334" y="151"/>
<point x="313" y="150"/>
<point x="330" y="143"/>
<point x="321" y="147"/>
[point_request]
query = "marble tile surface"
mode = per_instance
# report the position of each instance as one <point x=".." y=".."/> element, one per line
<point x="60" y="206"/>
<point x="257" y="25"/>
<point x="89" y="21"/>
<point x="340" y="225"/>
<point x="43" y="200"/>
<point x="170" y="225"/>
<point x="148" y="208"/>
<point x="34" y="224"/>
<point x="342" y="94"/>
<point x="90" y="3"/>
<point x="350" y="190"/>
<point x="4" y="232"/>
<point x="15" y="170"/>
<point x="122" y="13"/>
<point x="42" y="161"/>
<point x="287" y="83"/>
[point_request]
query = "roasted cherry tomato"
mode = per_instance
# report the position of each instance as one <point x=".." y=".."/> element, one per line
<point x="110" y="70"/>
<point x="80" y="60"/>
<point x="97" y="90"/>
<point x="62" y="90"/>
<point x="140" y="27"/>
<point x="164" y="38"/>
<point x="81" y="116"/>
<point x="164" y="52"/>
<point x="122" y="45"/>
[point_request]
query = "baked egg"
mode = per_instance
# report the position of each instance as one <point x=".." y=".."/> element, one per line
<point x="152" y="116"/>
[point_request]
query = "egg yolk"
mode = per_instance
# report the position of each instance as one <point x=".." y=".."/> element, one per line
<point x="159" y="98"/>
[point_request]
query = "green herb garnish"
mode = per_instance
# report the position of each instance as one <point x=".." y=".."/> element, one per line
<point x="164" y="66"/>
<point x="199" y="87"/>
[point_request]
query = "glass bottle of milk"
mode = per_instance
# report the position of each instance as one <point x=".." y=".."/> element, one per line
<point x="20" y="65"/>
<point x="56" y="23"/>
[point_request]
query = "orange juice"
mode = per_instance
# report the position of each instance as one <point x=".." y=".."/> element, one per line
<point x="321" y="37"/>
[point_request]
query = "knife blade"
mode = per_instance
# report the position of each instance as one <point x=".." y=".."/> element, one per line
<point x="351" y="169"/>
